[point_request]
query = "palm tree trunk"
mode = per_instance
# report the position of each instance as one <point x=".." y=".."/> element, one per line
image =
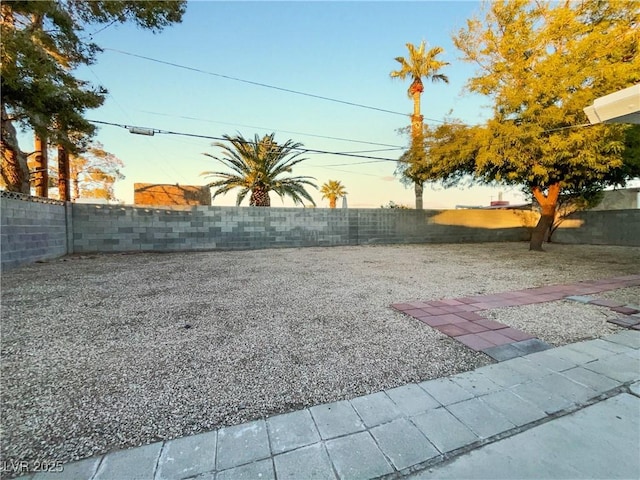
<point x="259" y="197"/>
<point x="417" y="127"/>
<point x="332" y="201"/>
<point x="63" y="174"/>
<point x="41" y="177"/>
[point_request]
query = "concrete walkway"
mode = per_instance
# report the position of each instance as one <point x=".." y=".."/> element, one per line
<point x="415" y="429"/>
<point x="575" y="446"/>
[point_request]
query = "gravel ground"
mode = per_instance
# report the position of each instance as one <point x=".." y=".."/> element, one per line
<point x="104" y="352"/>
<point x="563" y="322"/>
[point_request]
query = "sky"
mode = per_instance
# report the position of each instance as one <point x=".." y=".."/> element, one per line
<point x="340" y="50"/>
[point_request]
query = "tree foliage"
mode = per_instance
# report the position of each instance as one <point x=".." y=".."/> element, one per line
<point x="42" y="43"/>
<point x="541" y="63"/>
<point x="258" y="167"/>
<point x="93" y="172"/>
<point x="332" y="190"/>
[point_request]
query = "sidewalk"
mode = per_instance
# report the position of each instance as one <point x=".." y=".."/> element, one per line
<point x="416" y="427"/>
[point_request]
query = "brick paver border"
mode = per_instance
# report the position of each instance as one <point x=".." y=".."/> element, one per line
<point x="459" y="317"/>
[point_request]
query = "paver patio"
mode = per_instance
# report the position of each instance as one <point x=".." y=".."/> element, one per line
<point x="459" y="317"/>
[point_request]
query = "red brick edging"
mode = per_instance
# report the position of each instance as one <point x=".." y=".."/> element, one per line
<point x="458" y="317"/>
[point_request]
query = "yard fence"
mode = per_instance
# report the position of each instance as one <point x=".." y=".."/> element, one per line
<point x="34" y="229"/>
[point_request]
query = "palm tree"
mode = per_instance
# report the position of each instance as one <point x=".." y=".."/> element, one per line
<point x="331" y="190"/>
<point x="420" y="64"/>
<point x="257" y="168"/>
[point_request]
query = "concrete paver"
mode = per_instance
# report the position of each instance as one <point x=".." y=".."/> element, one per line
<point x="376" y="409"/>
<point x="82" y="469"/>
<point x="583" y="445"/>
<point x="483" y="420"/>
<point x="403" y="443"/>
<point x="550" y="362"/>
<point x="531" y="346"/>
<point x="357" y="456"/>
<point x="595" y="381"/>
<point x="262" y="470"/>
<point x="446" y="391"/>
<point x="534" y="392"/>
<point x="502" y="374"/>
<point x="566" y="388"/>
<point x="444" y="430"/>
<point x="619" y="367"/>
<point x="310" y="462"/>
<point x="592" y="349"/>
<point x="412" y="400"/>
<point x="569" y="355"/>
<point x="475" y="383"/>
<point x="187" y="456"/>
<point x="292" y="430"/>
<point x="136" y="463"/>
<point x="242" y="444"/>
<point x="336" y="419"/>
<point x="627" y="337"/>
<point x="515" y="409"/>
<point x="611" y="346"/>
<point x="530" y="371"/>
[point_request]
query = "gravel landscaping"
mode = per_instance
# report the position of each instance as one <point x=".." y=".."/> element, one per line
<point x="102" y="352"/>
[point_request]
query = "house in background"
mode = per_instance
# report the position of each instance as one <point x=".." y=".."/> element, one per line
<point x="622" y="199"/>
<point x="157" y="194"/>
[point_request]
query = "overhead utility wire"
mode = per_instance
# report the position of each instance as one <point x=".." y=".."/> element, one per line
<point x="272" y="129"/>
<point x="151" y="131"/>
<point x="250" y="82"/>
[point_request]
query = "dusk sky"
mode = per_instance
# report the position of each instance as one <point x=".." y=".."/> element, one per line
<point x="341" y="50"/>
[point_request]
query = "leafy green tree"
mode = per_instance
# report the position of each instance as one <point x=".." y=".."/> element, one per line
<point x="332" y="190"/>
<point x="258" y="167"/>
<point x="418" y="65"/>
<point x="541" y="63"/>
<point x="42" y="43"/>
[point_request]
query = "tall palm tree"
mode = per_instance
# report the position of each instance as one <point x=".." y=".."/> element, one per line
<point x="257" y="167"/>
<point x="331" y="190"/>
<point x="420" y="64"/>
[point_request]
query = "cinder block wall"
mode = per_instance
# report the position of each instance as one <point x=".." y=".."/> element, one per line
<point x="31" y="230"/>
<point x="607" y="227"/>
<point x="99" y="228"/>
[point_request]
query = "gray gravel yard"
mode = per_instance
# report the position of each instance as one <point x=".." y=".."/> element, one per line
<point x="102" y="352"/>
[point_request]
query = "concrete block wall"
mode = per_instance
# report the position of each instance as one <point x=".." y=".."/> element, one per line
<point x="34" y="229"/>
<point x="607" y="227"/>
<point x="31" y="229"/>
<point x="99" y="228"/>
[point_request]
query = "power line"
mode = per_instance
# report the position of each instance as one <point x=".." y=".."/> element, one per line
<point x="259" y="84"/>
<point x="136" y="129"/>
<point x="272" y="129"/>
<point x="178" y="173"/>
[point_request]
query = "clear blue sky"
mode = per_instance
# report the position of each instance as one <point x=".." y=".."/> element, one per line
<point x="342" y="50"/>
